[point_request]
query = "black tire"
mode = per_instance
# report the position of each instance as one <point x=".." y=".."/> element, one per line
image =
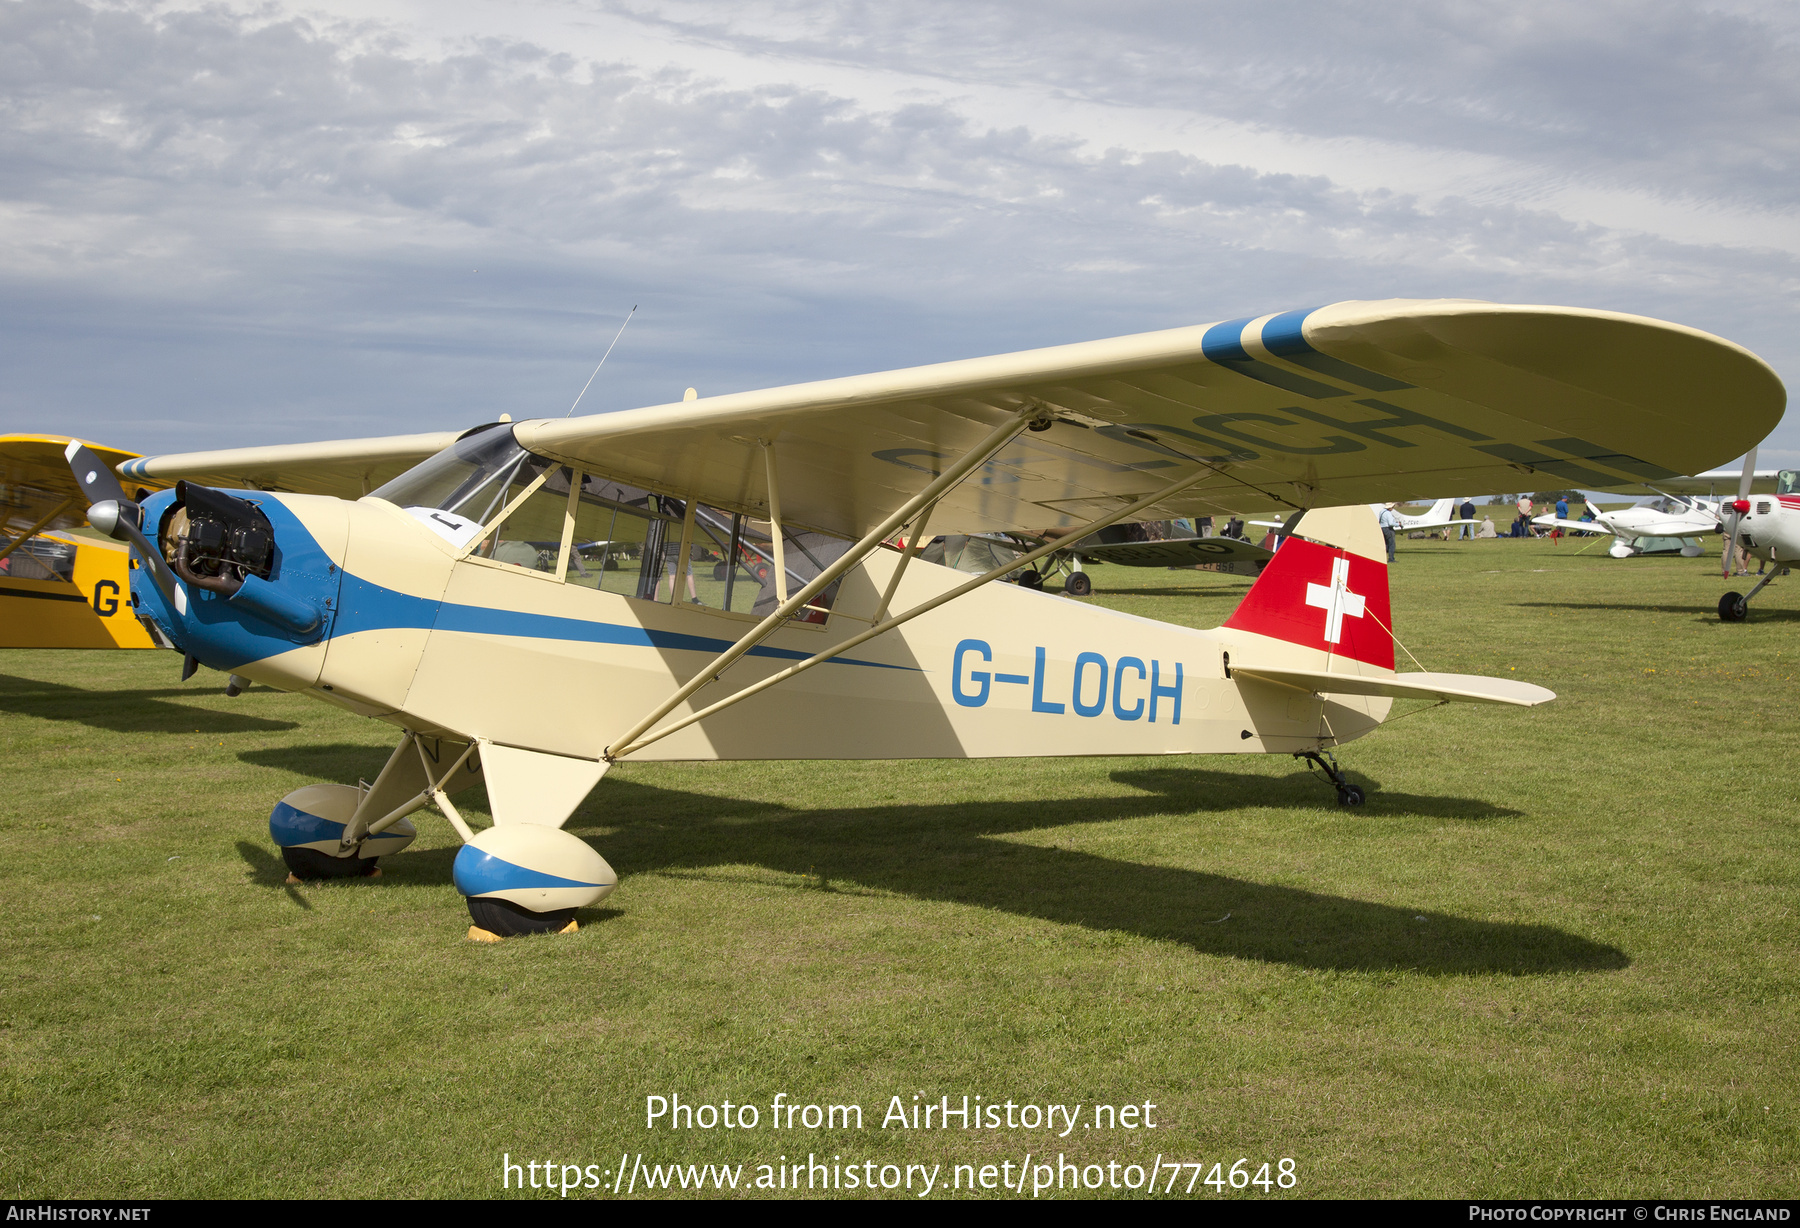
<point x="507" y="919"/>
<point x="311" y="864"/>
<point x="1031" y="580"/>
<point x="1350" y="795"/>
<point x="1078" y="585"/>
<point x="720" y="570"/>
<point x="1733" y="608"/>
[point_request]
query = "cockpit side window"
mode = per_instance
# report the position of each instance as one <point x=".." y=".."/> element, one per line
<point x="463" y="487"/>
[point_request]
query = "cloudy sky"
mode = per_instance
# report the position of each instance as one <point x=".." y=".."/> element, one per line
<point x="237" y="223"/>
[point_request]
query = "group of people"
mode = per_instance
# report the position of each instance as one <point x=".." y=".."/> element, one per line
<point x="1522" y="526"/>
<point x="1391" y="523"/>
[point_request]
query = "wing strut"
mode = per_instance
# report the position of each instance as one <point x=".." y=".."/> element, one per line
<point x="637" y="741"/>
<point x="32" y="532"/>
<point x="915" y="541"/>
<point x="775" y="533"/>
<point x="972" y="460"/>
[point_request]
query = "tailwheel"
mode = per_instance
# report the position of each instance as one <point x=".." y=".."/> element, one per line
<point x="1078" y="585"/>
<point x="310" y="865"/>
<point x="495" y="919"/>
<point x="1733" y="608"/>
<point x="1323" y="761"/>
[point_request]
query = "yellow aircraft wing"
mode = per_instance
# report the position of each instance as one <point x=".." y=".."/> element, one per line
<point x="1359" y="402"/>
<point x="38" y="494"/>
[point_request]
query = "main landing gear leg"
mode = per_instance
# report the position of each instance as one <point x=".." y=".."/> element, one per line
<point x="1734" y="608"/>
<point x="1324" y="761"/>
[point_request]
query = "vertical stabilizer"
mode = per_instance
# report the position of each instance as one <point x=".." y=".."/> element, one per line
<point x="1326" y="589"/>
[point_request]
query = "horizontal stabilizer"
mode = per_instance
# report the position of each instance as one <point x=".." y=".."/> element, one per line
<point x="1459" y="688"/>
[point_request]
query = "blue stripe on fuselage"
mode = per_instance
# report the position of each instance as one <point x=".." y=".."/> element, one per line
<point x="371" y="607"/>
<point x="225" y="638"/>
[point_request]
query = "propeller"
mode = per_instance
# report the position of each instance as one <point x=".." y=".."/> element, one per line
<point x="121" y="518"/>
<point x="1730" y="521"/>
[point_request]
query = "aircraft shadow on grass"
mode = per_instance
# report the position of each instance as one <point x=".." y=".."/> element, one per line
<point x="958" y="853"/>
<point x="140" y="711"/>
<point x="1706" y="613"/>
<point x="268" y="870"/>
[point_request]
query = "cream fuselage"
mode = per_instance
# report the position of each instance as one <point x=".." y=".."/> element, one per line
<point x="428" y="637"/>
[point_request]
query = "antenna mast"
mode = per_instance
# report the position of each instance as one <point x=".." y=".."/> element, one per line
<point x="603" y="358"/>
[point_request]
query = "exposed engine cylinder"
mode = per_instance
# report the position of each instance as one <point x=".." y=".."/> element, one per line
<point x="214" y="540"/>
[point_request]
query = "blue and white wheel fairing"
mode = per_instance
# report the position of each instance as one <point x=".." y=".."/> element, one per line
<point x="540" y="869"/>
<point x="308" y="826"/>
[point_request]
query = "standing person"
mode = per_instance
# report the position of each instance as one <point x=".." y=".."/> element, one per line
<point x="1390" y="523"/>
<point x="1466" y="532"/>
<point x="1522" y="526"/>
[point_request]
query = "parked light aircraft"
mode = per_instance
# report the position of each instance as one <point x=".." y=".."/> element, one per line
<point x="1440" y="515"/>
<point x="1687" y="517"/>
<point x="58" y="589"/>
<point x="1125" y="545"/>
<point x="535" y="678"/>
<point x="1766" y="527"/>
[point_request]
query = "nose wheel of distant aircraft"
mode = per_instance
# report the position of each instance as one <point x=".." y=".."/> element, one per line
<point x="1734" y="608"/>
<point x="1323" y="760"/>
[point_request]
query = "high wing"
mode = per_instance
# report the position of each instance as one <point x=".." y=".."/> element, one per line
<point x="1179" y="552"/>
<point x="1353" y="403"/>
<point x="346" y="468"/>
<point x="1714" y="484"/>
<point x="38" y="494"/>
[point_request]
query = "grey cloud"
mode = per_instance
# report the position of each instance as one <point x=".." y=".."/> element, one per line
<point x="225" y="230"/>
<point x="1667" y="95"/>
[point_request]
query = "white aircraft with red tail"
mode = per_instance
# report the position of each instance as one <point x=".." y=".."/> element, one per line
<point x="1765" y="527"/>
<point x="529" y="603"/>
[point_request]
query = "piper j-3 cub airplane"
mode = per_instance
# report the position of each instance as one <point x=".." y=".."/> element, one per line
<point x="542" y="599"/>
<point x="58" y="589"/>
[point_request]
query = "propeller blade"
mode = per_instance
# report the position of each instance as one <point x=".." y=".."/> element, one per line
<point x="97" y="480"/>
<point x="120" y="518"/>
<point x="1729" y="525"/>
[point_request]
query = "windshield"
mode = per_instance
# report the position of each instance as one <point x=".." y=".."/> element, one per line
<point x="468" y="478"/>
<point x="1786" y="481"/>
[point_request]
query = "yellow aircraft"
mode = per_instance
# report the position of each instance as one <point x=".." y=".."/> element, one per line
<point x="59" y="589"/>
<point x="533" y="602"/>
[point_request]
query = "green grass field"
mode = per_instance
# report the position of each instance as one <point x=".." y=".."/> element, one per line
<point x="1553" y="955"/>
